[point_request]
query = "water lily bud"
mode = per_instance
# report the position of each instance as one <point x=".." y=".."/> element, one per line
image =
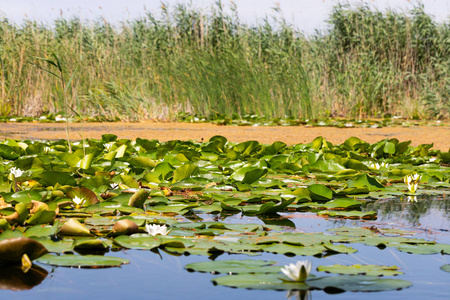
<point x="125" y="226"/>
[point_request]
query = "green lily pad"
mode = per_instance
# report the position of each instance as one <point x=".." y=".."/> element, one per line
<point x="349" y="214"/>
<point x="88" y="195"/>
<point x="55" y="246"/>
<point x="424" y="248"/>
<point x="373" y="270"/>
<point x="24" y="197"/>
<point x="85" y="261"/>
<point x="320" y="192"/>
<point x="446" y="268"/>
<point x="295" y="250"/>
<point x="332" y="284"/>
<point x="138" y="199"/>
<point x="358" y="283"/>
<point x="248" y="175"/>
<point x="52" y="178"/>
<point x="12" y="250"/>
<point x="339" y="248"/>
<point x="234" y="266"/>
<point x="184" y="171"/>
<point x="341" y="203"/>
<point x="74" y="228"/>
<point x="137" y="241"/>
<point x="39" y="230"/>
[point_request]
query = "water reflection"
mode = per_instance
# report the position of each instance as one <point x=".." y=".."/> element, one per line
<point x="13" y="278"/>
<point x="299" y="295"/>
<point x="428" y="211"/>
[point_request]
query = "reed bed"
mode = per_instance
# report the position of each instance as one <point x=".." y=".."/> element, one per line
<point x="208" y="62"/>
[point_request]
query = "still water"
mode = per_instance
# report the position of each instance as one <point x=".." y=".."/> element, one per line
<point x="158" y="275"/>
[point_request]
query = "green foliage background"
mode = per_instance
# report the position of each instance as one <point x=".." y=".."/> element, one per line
<point x="207" y="62"/>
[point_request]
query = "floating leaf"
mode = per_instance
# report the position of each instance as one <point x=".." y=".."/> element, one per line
<point x="320" y="192"/>
<point x="142" y="162"/>
<point x="75" y="228"/>
<point x="88" y="195"/>
<point x="42" y="217"/>
<point x="334" y="284"/>
<point x="446" y="268"/>
<point x="85" y="261"/>
<point x="138" y="241"/>
<point x="339" y="248"/>
<point x="248" y="175"/>
<point x="184" y="172"/>
<point x="52" y="178"/>
<point x="373" y="270"/>
<point x="24" y="197"/>
<point x="125" y="226"/>
<point x="234" y="266"/>
<point x="349" y="214"/>
<point x="12" y="250"/>
<point x="365" y="181"/>
<point x="138" y="199"/>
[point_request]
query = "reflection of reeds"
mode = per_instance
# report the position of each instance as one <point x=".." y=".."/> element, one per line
<point x="410" y="213"/>
<point x="368" y="64"/>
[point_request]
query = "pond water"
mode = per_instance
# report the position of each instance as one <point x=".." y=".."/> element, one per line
<point x="158" y="275"/>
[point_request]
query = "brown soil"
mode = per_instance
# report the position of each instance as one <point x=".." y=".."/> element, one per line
<point x="439" y="136"/>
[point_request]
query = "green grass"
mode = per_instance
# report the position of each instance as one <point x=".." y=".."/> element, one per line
<point x="207" y="62"/>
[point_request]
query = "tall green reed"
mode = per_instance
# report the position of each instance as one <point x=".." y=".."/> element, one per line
<point x="207" y="62"/>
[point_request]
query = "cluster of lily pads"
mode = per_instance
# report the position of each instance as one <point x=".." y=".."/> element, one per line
<point x="176" y="196"/>
<point x="54" y="118"/>
<point x="257" y="120"/>
<point x="245" y="120"/>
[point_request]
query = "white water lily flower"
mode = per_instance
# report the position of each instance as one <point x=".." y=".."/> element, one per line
<point x="375" y="166"/>
<point x="59" y="119"/>
<point x="416" y="177"/>
<point x="78" y="201"/>
<point x="412" y="182"/>
<point x="108" y="146"/>
<point x="154" y="229"/>
<point x="16" y="172"/>
<point x="299" y="271"/>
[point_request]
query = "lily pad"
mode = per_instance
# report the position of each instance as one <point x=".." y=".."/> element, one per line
<point x="85" y="261"/>
<point x="373" y="270"/>
<point x="234" y="266"/>
<point x="331" y="284"/>
<point x="12" y="250"/>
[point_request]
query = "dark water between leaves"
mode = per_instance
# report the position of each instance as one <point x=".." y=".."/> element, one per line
<point x="158" y="275"/>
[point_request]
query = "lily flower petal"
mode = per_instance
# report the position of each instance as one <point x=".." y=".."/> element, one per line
<point x="299" y="271"/>
<point x="154" y="229"/>
<point x="78" y="201"/>
<point x="16" y="172"/>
